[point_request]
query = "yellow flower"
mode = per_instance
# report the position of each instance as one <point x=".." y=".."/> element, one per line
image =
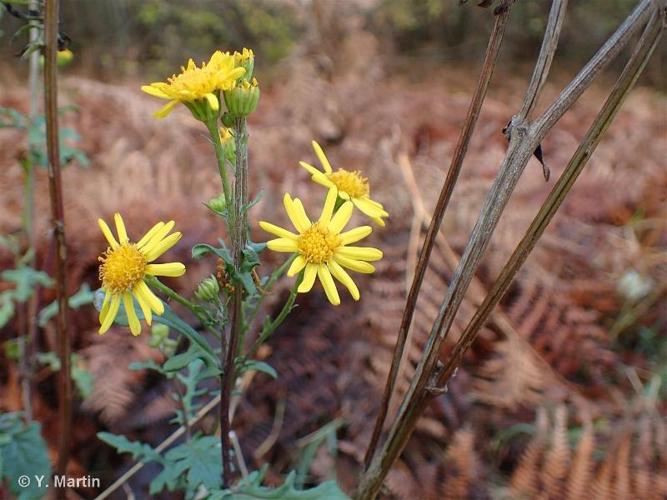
<point x="349" y="186"/>
<point x="124" y="266"/>
<point x="194" y="84"/>
<point x="322" y="250"/>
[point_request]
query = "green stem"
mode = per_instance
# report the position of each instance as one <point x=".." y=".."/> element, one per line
<point x="220" y="156"/>
<point x="270" y="327"/>
<point x="275" y="275"/>
<point x="197" y="310"/>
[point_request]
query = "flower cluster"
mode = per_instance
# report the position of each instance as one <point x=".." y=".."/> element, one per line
<point x="322" y="250"/>
<point x="199" y="87"/>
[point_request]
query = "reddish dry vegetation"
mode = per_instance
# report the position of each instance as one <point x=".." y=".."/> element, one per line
<point x="569" y="349"/>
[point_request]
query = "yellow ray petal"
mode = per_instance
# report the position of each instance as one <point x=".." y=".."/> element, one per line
<point x="380" y="222"/>
<point x="308" y="278"/>
<point x="151" y="232"/>
<point x="120" y="229"/>
<point x="157" y="237"/>
<point x="298" y="219"/>
<point x="355" y="265"/>
<point x="323" y="180"/>
<point x="277" y="230"/>
<point x="312" y="170"/>
<point x="105" y="306"/>
<point x="163" y="246"/>
<point x="111" y="314"/>
<point x="106" y="231"/>
<point x="149" y="297"/>
<point x="341" y="275"/>
<point x="368" y="208"/>
<point x="344" y="195"/>
<point x="213" y="101"/>
<point x="327" y="210"/>
<point x="144" y="305"/>
<point x="133" y="320"/>
<point x="282" y="245"/>
<point x="322" y="157"/>
<point x="296" y="267"/>
<point x="154" y="91"/>
<point x="341" y="218"/>
<point x="354" y="235"/>
<point x="171" y="269"/>
<point x="166" y="109"/>
<point x="328" y="284"/>
<point x="360" y="253"/>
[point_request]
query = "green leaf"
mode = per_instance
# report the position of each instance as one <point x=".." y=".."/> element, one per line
<point x="6" y="307"/>
<point x="260" y="366"/>
<point x="139" y="451"/>
<point x="83" y="297"/>
<point x="23" y="451"/>
<point x="26" y="278"/>
<point x="250" y="488"/>
<point x="170" y="319"/>
<point x="198" y="461"/>
<point x="83" y="380"/>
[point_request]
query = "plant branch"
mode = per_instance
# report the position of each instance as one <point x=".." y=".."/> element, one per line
<point x="523" y="141"/>
<point x="479" y="94"/>
<point x="271" y="326"/>
<point x="58" y="223"/>
<point x="624" y="84"/>
<point x="238" y="233"/>
<point x="220" y="157"/>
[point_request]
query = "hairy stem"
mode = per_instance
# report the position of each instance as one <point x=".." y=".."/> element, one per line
<point x="238" y="234"/>
<point x="58" y="225"/>
<point x="220" y="156"/>
<point x="490" y="59"/>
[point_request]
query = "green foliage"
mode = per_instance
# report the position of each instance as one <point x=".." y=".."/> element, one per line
<point x="25" y="279"/>
<point x="36" y="129"/>
<point x="190" y="465"/>
<point x="83" y="297"/>
<point x="187" y="466"/>
<point x="202" y="25"/>
<point x="251" y="488"/>
<point x="23" y="451"/>
<point x="82" y="378"/>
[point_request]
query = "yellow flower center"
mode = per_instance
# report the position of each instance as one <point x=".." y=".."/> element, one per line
<point x="123" y="268"/>
<point x="316" y="244"/>
<point x="352" y="183"/>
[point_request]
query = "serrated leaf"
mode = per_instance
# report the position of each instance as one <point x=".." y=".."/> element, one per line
<point x="198" y="461"/>
<point x="139" y="451"/>
<point x="250" y="488"/>
<point x="25" y="454"/>
<point x="26" y="278"/>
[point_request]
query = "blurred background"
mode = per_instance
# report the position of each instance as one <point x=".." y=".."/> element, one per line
<point x="563" y="394"/>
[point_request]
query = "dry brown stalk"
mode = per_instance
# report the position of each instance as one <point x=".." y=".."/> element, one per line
<point x="58" y="223"/>
<point x="490" y="59"/>
<point x="524" y="138"/>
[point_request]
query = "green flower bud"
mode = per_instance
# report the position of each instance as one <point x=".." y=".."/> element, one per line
<point x="242" y="99"/>
<point x="217" y="204"/>
<point x="228" y="143"/>
<point x="245" y="60"/>
<point x="159" y="334"/>
<point x="208" y="290"/>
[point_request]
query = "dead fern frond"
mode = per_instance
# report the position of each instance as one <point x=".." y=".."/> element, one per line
<point x="461" y="466"/>
<point x="525" y="482"/>
<point x="557" y="460"/>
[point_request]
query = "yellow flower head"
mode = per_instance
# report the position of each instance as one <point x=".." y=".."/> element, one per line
<point x="322" y="249"/>
<point x="195" y="83"/>
<point x="350" y="185"/>
<point x="124" y="266"/>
